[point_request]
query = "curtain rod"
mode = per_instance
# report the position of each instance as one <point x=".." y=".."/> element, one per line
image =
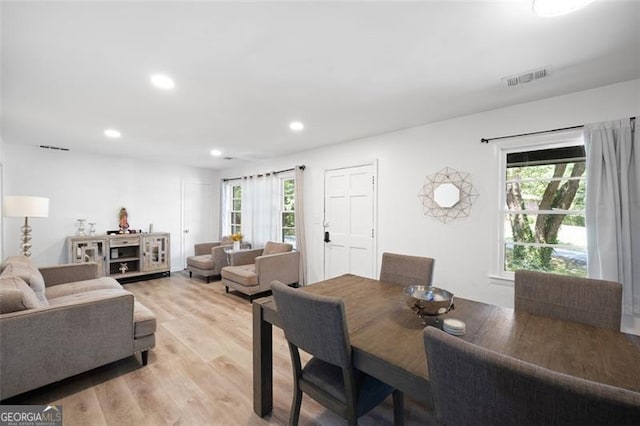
<point x="486" y="140"/>
<point x="302" y="167"/>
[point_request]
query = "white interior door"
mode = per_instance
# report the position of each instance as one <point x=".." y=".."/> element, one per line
<point x="349" y="221"/>
<point x="197" y="214"/>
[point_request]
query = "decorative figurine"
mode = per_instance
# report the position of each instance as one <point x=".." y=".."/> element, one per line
<point x="124" y="225"/>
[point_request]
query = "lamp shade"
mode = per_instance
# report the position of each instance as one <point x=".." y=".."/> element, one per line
<point x="25" y="206"/>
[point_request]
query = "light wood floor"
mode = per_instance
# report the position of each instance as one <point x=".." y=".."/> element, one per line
<point x="199" y="373"/>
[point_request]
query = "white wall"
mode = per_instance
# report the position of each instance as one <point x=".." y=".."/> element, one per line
<point x="95" y="188"/>
<point x="462" y="248"/>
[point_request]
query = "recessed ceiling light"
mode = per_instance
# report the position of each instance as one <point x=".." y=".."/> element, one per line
<point x="296" y="126"/>
<point x="162" y="81"/>
<point x="549" y="8"/>
<point x="215" y="152"/>
<point x="112" y="133"/>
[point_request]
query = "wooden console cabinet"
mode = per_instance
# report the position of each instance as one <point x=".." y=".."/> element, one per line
<point x="123" y="256"/>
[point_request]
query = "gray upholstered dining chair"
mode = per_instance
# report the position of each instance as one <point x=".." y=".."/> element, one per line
<point x="584" y="300"/>
<point x="406" y="270"/>
<point x="472" y="385"/>
<point x="317" y="325"/>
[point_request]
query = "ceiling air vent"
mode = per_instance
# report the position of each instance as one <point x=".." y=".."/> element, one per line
<point x="526" y="77"/>
<point x="55" y="148"/>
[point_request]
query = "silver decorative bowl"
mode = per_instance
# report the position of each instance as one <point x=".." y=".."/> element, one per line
<point x="428" y="301"/>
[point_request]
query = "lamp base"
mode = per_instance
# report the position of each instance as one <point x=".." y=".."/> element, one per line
<point x="25" y="241"/>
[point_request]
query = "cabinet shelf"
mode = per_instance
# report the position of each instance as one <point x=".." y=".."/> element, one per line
<point x="123" y="259"/>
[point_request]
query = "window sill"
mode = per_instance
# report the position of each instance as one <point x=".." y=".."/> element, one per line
<point x="500" y="280"/>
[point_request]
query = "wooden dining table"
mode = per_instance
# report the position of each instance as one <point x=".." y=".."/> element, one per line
<point x="387" y="340"/>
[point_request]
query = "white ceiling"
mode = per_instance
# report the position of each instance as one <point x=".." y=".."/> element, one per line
<point x="243" y="71"/>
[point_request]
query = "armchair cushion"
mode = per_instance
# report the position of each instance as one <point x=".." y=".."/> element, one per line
<point x="204" y="261"/>
<point x="243" y="274"/>
<point x="16" y="295"/>
<point x="244" y="257"/>
<point x="275" y="248"/>
<point x="29" y="274"/>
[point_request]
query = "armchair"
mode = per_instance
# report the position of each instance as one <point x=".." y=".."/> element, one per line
<point x="209" y="258"/>
<point x="252" y="271"/>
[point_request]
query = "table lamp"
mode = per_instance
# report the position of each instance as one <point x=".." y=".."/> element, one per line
<point x="26" y="206"/>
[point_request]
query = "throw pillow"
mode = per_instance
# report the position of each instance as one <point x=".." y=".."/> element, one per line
<point x="13" y="259"/>
<point x="16" y="295"/>
<point x="30" y="275"/>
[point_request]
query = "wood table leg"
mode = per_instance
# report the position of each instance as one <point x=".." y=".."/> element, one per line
<point x="262" y="363"/>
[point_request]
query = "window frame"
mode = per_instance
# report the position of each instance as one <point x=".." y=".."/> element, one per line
<point x="502" y="148"/>
<point x="235" y="227"/>
<point x="281" y="199"/>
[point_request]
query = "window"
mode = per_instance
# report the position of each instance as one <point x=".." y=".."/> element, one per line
<point x="287" y="211"/>
<point x="236" y="209"/>
<point x="543" y="203"/>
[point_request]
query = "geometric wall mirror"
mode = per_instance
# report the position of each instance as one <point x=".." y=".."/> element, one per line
<point x="448" y="195"/>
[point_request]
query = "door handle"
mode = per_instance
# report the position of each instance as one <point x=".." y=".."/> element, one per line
<point x="186" y="231"/>
<point x="327" y="239"/>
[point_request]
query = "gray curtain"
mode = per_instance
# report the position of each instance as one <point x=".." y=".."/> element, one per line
<point x="613" y="206"/>
<point x="301" y="240"/>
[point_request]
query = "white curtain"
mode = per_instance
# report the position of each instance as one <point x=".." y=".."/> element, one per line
<point x="260" y="208"/>
<point x="225" y="212"/>
<point x="301" y="241"/>
<point x="613" y="207"/>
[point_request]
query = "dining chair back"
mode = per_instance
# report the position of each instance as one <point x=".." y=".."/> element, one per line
<point x="472" y="385"/>
<point x="584" y="300"/>
<point x="406" y="270"/>
<point x="317" y="325"/>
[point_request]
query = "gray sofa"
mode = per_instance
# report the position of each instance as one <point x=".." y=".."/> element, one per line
<point x="60" y="321"/>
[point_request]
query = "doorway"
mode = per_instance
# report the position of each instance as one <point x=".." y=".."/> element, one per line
<point x="350" y="221"/>
<point x="197" y="216"/>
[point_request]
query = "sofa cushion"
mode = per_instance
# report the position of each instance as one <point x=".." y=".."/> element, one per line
<point x="29" y="274"/>
<point x="67" y="289"/>
<point x="16" y="295"/>
<point x="144" y="321"/>
<point x="226" y="241"/>
<point x="275" y="248"/>
<point x="243" y="274"/>
<point x="204" y="261"/>
<point x="87" y="296"/>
